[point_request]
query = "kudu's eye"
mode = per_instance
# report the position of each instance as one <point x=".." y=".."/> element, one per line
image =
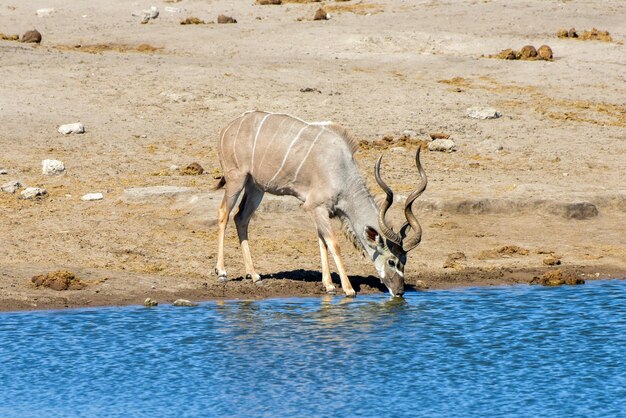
<point x="391" y="263"/>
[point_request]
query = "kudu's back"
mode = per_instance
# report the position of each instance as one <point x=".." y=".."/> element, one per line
<point x="286" y="155"/>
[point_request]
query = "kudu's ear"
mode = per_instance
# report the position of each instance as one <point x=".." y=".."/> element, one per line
<point x="372" y="237"/>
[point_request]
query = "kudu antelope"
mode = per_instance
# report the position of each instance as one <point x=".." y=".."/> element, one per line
<point x="276" y="153"/>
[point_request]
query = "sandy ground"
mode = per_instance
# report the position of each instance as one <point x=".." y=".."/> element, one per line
<point x="376" y="67"/>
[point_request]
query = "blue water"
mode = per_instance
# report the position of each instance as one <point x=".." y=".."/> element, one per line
<point x="513" y="351"/>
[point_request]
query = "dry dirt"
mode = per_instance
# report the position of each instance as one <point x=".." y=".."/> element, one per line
<point x="155" y="95"/>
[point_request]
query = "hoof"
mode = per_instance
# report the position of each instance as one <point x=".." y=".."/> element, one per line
<point x="222" y="279"/>
<point x="255" y="277"/>
<point x="331" y="291"/>
<point x="350" y="293"/>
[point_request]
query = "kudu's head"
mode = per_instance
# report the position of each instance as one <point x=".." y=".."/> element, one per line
<point x="391" y="248"/>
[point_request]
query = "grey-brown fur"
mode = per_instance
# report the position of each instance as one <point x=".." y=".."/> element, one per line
<point x="276" y="153"/>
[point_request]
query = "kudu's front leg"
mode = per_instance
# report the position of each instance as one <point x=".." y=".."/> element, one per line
<point x="327" y="280"/>
<point x="324" y="229"/>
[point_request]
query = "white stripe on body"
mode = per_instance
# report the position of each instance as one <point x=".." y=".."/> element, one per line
<point x="243" y="116"/>
<point x="255" y="139"/>
<point x="308" y="152"/>
<point x="220" y="148"/>
<point x="287" y="154"/>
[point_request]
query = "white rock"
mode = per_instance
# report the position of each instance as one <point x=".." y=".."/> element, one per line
<point x="153" y="13"/>
<point x="33" y="192"/>
<point x="171" y="9"/>
<point x="184" y="302"/>
<point x="483" y="113"/>
<point x="72" y="128"/>
<point x="52" y="167"/>
<point x="11" y="187"/>
<point x="444" y="145"/>
<point x="92" y="196"/>
<point x="398" y="150"/>
<point x="154" y="193"/>
<point x="174" y="168"/>
<point x="410" y="134"/>
<point x="3" y="171"/>
<point x="45" y="12"/>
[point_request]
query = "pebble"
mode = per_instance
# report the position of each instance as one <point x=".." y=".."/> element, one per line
<point x="72" y="128"/>
<point x="443" y="145"/>
<point x="184" y="302"/>
<point x="483" y="113"/>
<point x="45" y="12"/>
<point x="31" y="36"/>
<point x="92" y="196"/>
<point x="150" y="302"/>
<point x="409" y="134"/>
<point x="170" y="9"/>
<point x="3" y="172"/>
<point x="33" y="192"/>
<point x="174" y="167"/>
<point x="52" y="167"/>
<point x="11" y="187"/>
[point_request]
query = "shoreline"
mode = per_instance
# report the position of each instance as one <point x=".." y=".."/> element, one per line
<point x="242" y="289"/>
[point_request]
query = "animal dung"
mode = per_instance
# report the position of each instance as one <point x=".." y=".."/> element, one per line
<point x="545" y="52"/>
<point x="557" y="278"/>
<point x="588" y="35"/>
<point x="58" y="280"/>
<point x="527" y="53"/>
<point x="31" y="36"/>
<point x="193" y="169"/>
<point x="225" y="19"/>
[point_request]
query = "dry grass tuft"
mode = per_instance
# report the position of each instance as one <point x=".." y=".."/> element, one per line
<point x="110" y="47"/>
<point x="192" y="20"/>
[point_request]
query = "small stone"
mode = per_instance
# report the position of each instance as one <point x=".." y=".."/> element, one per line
<point x="11" y="187"/>
<point x="572" y="33"/>
<point x="72" y="128"/>
<point x="52" y="167"/>
<point x="320" y="14"/>
<point x="398" y="150"/>
<point x="545" y="52"/>
<point x="150" y="303"/>
<point x="443" y="145"/>
<point x="31" y="36"/>
<point x="225" y="19"/>
<point x="33" y="193"/>
<point x="153" y="12"/>
<point x="174" y="168"/>
<point x="3" y="172"/>
<point x="483" y="113"/>
<point x="438" y="135"/>
<point x="269" y="2"/>
<point x="581" y="210"/>
<point x="45" y="12"/>
<point x="92" y="196"/>
<point x="171" y="9"/>
<point x="184" y="302"/>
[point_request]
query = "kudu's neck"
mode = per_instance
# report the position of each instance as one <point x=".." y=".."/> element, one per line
<point x="356" y="207"/>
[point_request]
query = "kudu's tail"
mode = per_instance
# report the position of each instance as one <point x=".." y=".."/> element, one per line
<point x="219" y="184"/>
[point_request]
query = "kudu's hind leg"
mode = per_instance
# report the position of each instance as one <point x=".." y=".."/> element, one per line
<point x="324" y="229"/>
<point x="249" y="203"/>
<point x="233" y="189"/>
